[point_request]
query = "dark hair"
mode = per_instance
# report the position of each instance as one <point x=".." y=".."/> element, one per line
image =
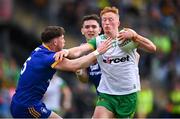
<point x="91" y="17"/>
<point x="51" y="32"/>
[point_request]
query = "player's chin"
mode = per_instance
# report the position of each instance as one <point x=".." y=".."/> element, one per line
<point x="60" y="49"/>
<point x="91" y="36"/>
<point x="108" y="30"/>
<point x="63" y="45"/>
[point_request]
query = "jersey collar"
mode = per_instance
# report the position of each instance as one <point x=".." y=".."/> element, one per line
<point x="46" y="46"/>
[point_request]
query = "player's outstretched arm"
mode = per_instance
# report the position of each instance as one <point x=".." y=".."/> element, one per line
<point x="84" y="61"/>
<point x="145" y="43"/>
<point x="74" y="52"/>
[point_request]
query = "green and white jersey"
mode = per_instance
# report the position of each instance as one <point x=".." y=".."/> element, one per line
<point x="120" y="73"/>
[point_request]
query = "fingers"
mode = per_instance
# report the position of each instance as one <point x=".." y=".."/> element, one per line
<point x="66" y="52"/>
<point x="122" y="40"/>
<point x="105" y="45"/>
<point x="126" y="34"/>
<point x="58" y="56"/>
<point x="61" y="57"/>
<point x="109" y="46"/>
<point x="108" y="42"/>
<point x="122" y="35"/>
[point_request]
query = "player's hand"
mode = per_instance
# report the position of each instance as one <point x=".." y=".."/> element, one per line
<point x="104" y="46"/>
<point x="126" y="34"/>
<point x="59" y="55"/>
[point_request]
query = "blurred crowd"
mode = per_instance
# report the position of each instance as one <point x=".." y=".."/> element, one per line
<point x="159" y="20"/>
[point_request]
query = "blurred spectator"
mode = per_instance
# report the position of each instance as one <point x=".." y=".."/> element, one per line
<point x="67" y="16"/>
<point x="162" y="42"/>
<point x="174" y="100"/>
<point x="11" y="70"/>
<point x="84" y="101"/>
<point x="167" y="8"/>
<point x="145" y="100"/>
<point x="4" y="102"/>
<point x="6" y="7"/>
<point x="6" y="85"/>
<point x="103" y="3"/>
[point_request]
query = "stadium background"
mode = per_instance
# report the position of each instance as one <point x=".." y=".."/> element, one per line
<point x="21" y="22"/>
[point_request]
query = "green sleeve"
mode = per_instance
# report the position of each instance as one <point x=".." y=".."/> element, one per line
<point x="92" y="42"/>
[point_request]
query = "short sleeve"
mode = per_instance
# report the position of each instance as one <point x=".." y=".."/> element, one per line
<point x="49" y="59"/>
<point x="92" y="42"/>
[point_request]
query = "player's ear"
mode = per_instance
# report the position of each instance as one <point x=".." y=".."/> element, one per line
<point x="82" y="31"/>
<point x="100" y="29"/>
<point x="55" y="41"/>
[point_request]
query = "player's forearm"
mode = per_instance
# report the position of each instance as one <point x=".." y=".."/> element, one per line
<point x="78" y="51"/>
<point x="145" y="43"/>
<point x="74" y="52"/>
<point x="85" y="61"/>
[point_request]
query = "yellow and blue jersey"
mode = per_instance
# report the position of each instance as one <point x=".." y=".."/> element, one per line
<point x="35" y="77"/>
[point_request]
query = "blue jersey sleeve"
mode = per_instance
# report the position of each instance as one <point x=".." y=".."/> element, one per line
<point x="49" y="59"/>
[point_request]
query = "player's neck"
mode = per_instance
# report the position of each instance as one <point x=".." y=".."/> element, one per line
<point x="112" y="34"/>
<point x="49" y="46"/>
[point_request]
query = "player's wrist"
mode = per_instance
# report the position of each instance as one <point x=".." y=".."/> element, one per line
<point x="96" y="53"/>
<point x="133" y="34"/>
<point x="135" y="37"/>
